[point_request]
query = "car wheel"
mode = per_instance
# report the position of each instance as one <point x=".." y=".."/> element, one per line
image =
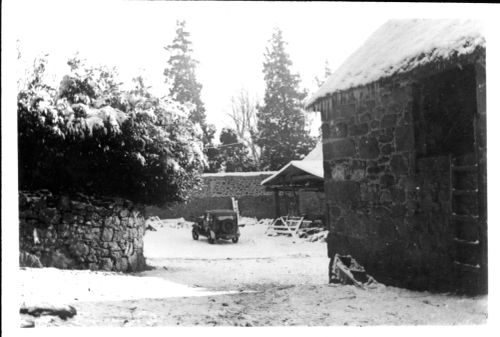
<point x="235" y="239"/>
<point x="211" y="238"/>
<point x="195" y="234"/>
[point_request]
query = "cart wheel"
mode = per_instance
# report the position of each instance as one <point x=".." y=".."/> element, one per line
<point x="195" y="234"/>
<point x="235" y="239"/>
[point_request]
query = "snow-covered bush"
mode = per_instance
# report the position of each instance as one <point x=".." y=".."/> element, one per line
<point x="90" y="136"/>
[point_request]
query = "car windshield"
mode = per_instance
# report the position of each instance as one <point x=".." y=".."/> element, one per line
<point x="225" y="217"/>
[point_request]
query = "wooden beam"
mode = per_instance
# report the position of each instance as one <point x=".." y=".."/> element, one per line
<point x="276" y="203"/>
<point x="305" y="177"/>
<point x="297" y="187"/>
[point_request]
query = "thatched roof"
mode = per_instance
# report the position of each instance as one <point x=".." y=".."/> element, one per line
<point x="399" y="46"/>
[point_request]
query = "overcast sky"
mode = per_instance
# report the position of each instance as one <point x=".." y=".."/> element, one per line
<point x="229" y="39"/>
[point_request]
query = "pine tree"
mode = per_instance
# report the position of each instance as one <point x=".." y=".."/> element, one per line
<point x="181" y="74"/>
<point x="281" y="126"/>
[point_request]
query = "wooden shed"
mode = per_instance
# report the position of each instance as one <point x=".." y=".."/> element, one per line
<point x="298" y="186"/>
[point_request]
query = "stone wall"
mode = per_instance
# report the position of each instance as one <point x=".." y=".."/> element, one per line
<point x="386" y="206"/>
<point x="237" y="184"/>
<point x="81" y="232"/>
<point x="216" y="192"/>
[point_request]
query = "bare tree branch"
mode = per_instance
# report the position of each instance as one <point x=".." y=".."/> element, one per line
<point x="243" y="115"/>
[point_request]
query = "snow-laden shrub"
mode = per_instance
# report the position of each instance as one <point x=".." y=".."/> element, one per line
<point x="90" y="136"/>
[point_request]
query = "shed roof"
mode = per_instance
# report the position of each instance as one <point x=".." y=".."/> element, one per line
<point x="309" y="168"/>
<point x="221" y="211"/>
<point x="399" y="46"/>
<point x="238" y="174"/>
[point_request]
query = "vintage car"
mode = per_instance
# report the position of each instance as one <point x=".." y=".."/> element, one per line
<point x="217" y="224"/>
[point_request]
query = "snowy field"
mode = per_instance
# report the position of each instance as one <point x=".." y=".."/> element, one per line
<point x="259" y="281"/>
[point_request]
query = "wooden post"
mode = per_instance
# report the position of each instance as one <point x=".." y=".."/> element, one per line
<point x="276" y="203"/>
<point x="296" y="205"/>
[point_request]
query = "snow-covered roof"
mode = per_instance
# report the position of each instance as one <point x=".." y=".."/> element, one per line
<point x="238" y="174"/>
<point x="316" y="153"/>
<point x="312" y="164"/>
<point x="399" y="46"/>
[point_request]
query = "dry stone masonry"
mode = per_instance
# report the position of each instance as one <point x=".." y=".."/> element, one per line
<point x="216" y="193"/>
<point x="387" y="179"/>
<point x="234" y="184"/>
<point x="81" y="232"/>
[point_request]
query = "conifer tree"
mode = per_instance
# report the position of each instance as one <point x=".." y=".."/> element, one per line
<point x="282" y="131"/>
<point x="181" y="75"/>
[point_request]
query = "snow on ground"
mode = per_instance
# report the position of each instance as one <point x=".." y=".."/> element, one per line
<point x="286" y="305"/>
<point x="50" y="285"/>
<point x="168" y="247"/>
<point x="400" y="46"/>
<point x="259" y="281"/>
<point x="255" y="262"/>
<point x="171" y="243"/>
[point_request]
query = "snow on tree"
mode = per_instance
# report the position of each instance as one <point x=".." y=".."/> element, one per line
<point x="181" y="75"/>
<point x="90" y="136"/>
<point x="282" y="126"/>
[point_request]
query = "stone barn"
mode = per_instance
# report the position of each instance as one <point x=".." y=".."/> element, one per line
<point x="404" y="146"/>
